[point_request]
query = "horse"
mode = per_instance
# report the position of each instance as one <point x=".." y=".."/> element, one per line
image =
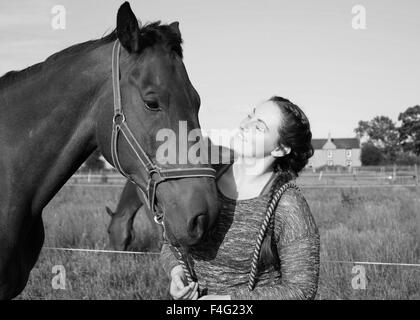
<point x="113" y="94"/>
<point x="132" y="227"/>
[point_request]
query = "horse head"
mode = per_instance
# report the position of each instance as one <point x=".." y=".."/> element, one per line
<point x="156" y="94"/>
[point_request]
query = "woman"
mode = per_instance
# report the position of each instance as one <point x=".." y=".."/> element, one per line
<point x="289" y="263"/>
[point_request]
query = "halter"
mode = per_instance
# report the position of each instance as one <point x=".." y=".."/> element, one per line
<point x="155" y="174"/>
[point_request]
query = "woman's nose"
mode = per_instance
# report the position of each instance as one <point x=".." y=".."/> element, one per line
<point x="246" y="126"/>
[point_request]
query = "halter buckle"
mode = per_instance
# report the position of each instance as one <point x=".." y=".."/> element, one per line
<point x="159" y="177"/>
<point x="158" y="220"/>
<point x="118" y="119"/>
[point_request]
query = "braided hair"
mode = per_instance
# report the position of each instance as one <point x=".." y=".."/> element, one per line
<point x="295" y="133"/>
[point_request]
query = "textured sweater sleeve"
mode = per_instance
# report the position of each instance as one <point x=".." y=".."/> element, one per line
<point x="297" y="240"/>
<point x="167" y="259"/>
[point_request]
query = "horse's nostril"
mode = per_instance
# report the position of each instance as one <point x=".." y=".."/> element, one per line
<point x="197" y="226"/>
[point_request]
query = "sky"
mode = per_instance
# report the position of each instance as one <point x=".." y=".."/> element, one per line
<point x="239" y="53"/>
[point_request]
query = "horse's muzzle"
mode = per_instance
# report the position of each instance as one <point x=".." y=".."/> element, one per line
<point x="197" y="226"/>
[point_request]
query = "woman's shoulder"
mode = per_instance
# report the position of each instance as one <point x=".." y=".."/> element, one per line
<point x="293" y="199"/>
<point x="293" y="216"/>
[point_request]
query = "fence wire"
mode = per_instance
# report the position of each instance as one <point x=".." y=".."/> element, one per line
<point x="157" y="253"/>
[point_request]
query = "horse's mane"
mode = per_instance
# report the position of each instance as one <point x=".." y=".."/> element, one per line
<point x="151" y="34"/>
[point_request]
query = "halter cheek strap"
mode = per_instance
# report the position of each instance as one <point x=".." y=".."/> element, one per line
<point x="154" y="174"/>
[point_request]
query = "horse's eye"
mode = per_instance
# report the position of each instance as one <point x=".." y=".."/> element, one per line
<point x="152" y="105"/>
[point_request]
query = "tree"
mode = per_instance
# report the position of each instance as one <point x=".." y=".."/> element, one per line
<point x="382" y="132"/>
<point x="371" y="155"/>
<point x="94" y="162"/>
<point x="407" y="159"/>
<point x="410" y="130"/>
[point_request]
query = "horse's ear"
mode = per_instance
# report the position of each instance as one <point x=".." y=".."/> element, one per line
<point x="175" y="27"/>
<point x="109" y="211"/>
<point x="128" y="30"/>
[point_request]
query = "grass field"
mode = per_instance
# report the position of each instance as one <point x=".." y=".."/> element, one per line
<point x="366" y="224"/>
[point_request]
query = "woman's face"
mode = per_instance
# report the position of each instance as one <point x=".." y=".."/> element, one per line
<point x="258" y="133"/>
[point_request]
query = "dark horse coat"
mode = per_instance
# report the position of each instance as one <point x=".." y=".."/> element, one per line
<point x="132" y="226"/>
<point x="56" y="113"/>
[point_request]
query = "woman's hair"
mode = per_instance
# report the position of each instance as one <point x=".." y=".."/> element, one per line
<point x="295" y="133"/>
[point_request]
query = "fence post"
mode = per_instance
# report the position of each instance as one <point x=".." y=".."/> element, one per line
<point x="394" y="172"/>
<point x="104" y="177"/>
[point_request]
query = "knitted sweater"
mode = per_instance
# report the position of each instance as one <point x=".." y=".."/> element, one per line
<point x="222" y="261"/>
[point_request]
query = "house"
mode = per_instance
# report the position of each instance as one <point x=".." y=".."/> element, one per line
<point x="335" y="152"/>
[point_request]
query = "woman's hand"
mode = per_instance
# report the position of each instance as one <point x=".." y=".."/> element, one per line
<point x="177" y="288"/>
<point x="215" y="297"/>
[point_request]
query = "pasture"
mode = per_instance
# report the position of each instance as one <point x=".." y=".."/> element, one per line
<point x="380" y="224"/>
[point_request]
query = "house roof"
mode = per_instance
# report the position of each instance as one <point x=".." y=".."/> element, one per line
<point x="341" y="143"/>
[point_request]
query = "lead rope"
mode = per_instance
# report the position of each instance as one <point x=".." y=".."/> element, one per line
<point x="263" y="231"/>
<point x="187" y="271"/>
<point x="181" y="259"/>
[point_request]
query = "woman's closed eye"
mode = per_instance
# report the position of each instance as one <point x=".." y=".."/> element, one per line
<point x="260" y="127"/>
<point x="255" y="124"/>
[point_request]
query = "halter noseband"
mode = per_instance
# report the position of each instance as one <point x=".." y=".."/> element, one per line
<point x="155" y="174"/>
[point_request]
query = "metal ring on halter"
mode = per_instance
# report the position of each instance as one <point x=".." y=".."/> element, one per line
<point x="158" y="220"/>
<point x="118" y="115"/>
<point x="155" y="170"/>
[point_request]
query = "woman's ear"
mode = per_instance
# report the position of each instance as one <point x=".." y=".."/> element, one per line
<point x="280" y="151"/>
<point x="109" y="211"/>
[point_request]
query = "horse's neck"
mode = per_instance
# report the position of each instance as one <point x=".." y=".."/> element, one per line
<point x="52" y="122"/>
<point x="130" y="201"/>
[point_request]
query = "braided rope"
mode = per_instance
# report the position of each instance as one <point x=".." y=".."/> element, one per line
<point x="185" y="268"/>
<point x="263" y="231"/>
<point x="187" y="271"/>
<point x="181" y="259"/>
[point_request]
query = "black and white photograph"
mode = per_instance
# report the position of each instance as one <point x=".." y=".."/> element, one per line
<point x="210" y="150"/>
